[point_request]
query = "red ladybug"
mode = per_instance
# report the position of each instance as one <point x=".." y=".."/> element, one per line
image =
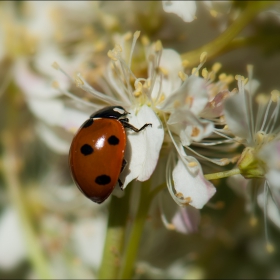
<point x="96" y="155"/>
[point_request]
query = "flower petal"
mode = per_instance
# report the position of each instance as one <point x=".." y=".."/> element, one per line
<point x="186" y="220"/>
<point x="235" y="116"/>
<point x="192" y="95"/>
<point x="143" y="148"/>
<point x="171" y="63"/>
<point x="272" y="210"/>
<point x="192" y="186"/>
<point x="189" y="127"/>
<point x="52" y="140"/>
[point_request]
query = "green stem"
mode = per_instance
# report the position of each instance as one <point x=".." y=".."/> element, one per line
<point x="222" y="174"/>
<point x="216" y="46"/>
<point x="113" y="248"/>
<point x="10" y="173"/>
<point x="132" y="246"/>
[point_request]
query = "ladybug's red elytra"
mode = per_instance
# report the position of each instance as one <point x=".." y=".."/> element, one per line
<point x="96" y="155"/>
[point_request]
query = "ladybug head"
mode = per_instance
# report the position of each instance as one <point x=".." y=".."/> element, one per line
<point x="110" y="112"/>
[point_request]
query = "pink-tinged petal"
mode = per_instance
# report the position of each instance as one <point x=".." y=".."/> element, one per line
<point x="184" y="9"/>
<point x="235" y="116"/>
<point x="186" y="219"/>
<point x="215" y="107"/>
<point x="189" y="127"/>
<point x="143" y="148"/>
<point x="194" y="187"/>
<point x="35" y="86"/>
<point x="192" y="95"/>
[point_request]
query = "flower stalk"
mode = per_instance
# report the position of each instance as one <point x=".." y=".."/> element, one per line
<point x="113" y="248"/>
<point x="131" y="250"/>
<point x="222" y="174"/>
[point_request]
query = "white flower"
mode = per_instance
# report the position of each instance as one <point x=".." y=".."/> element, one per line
<point x="164" y="97"/>
<point x="255" y="119"/>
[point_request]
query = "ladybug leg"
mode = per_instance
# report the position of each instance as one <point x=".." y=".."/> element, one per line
<point x="128" y="125"/>
<point x="120" y="184"/>
<point x="124" y="162"/>
<point x="124" y="120"/>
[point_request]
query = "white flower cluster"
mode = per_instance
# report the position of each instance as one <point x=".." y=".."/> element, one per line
<point x="183" y="110"/>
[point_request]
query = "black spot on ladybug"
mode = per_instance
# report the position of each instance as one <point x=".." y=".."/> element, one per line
<point x="113" y="140"/>
<point x="88" y="123"/>
<point x="86" y="150"/>
<point x="103" y="180"/>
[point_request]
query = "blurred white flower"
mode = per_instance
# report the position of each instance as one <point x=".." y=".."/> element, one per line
<point x="255" y="119"/>
<point x="187" y="9"/>
<point x="89" y="236"/>
<point x="13" y="249"/>
<point x="184" y="9"/>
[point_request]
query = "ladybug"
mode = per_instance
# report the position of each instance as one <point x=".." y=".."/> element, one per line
<point x="96" y="155"/>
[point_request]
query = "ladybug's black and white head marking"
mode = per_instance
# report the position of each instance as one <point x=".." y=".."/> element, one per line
<point x="111" y="112"/>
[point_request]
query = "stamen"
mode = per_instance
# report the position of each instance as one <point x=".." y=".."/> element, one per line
<point x="195" y="71"/>
<point x="145" y="41"/>
<point x="223" y="135"/>
<point x="135" y="37"/>
<point x="111" y="55"/>
<point x="275" y="94"/>
<point x="265" y="116"/>
<point x="182" y="76"/>
<point x="274" y="116"/>
<point x="128" y="36"/>
<point x="219" y="162"/>
<point x="203" y="57"/>
<point x="222" y="77"/>
<point x="86" y="87"/>
<point x="216" y="67"/>
<point x="158" y="46"/>
<point x="204" y="73"/>
<point x="229" y="79"/>
<point x="72" y="96"/>
<point x="192" y="164"/>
